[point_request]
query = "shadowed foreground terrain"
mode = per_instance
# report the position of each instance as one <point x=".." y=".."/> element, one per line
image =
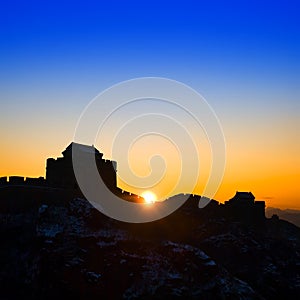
<point x="57" y="246"/>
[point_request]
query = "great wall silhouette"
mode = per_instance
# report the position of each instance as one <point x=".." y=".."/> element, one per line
<point x="57" y="245"/>
<point x="60" y="176"/>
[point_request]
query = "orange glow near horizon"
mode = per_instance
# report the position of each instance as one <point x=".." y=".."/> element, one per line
<point x="257" y="161"/>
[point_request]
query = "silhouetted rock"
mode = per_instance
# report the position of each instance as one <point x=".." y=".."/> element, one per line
<point x="67" y="249"/>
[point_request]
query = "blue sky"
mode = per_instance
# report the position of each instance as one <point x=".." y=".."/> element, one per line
<point x="103" y="42"/>
<point x="238" y="54"/>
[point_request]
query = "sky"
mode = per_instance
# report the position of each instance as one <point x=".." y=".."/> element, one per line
<point x="243" y="57"/>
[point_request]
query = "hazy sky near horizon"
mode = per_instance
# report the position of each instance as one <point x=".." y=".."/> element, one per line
<point x="242" y="56"/>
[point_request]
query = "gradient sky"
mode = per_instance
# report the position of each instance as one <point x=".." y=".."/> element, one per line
<point x="242" y="56"/>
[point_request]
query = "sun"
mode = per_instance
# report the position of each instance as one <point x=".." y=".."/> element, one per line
<point x="149" y="197"/>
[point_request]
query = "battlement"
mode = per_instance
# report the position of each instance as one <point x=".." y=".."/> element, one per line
<point x="19" y="180"/>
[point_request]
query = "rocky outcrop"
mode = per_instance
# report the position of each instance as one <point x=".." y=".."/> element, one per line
<point x="67" y="249"/>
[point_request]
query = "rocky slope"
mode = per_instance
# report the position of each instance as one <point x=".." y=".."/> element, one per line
<point x="68" y="249"/>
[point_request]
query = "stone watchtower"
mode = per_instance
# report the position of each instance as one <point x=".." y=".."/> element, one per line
<point x="59" y="172"/>
<point x="243" y="207"/>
